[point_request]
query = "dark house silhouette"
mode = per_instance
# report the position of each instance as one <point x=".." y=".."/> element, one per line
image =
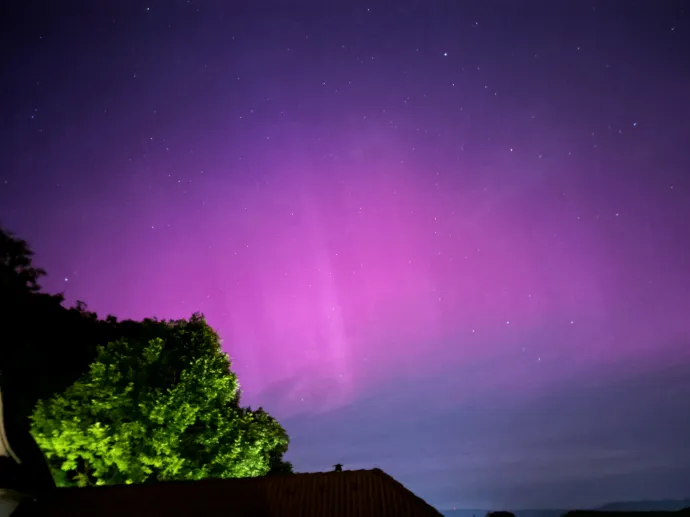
<point x="27" y="489"/>
<point x="350" y="493"/>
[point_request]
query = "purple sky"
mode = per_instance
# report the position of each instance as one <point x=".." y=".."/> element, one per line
<point x="447" y="239"/>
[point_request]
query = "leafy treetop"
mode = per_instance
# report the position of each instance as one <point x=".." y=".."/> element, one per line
<point x="159" y="408"/>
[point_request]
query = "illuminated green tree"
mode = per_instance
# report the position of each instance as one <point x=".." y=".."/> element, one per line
<point x="157" y="408"/>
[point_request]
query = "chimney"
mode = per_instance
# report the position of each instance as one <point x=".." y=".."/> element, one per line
<point x="338" y="467"/>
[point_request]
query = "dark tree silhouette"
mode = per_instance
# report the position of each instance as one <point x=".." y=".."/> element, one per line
<point x="45" y="347"/>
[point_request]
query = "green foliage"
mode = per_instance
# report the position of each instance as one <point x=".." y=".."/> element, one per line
<point x="158" y="402"/>
<point x="157" y="408"/>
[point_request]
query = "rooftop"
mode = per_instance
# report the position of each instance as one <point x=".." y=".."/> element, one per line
<point x="350" y="493"/>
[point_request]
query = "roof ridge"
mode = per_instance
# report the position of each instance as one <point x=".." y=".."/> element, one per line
<point x="216" y="480"/>
<point x="320" y="472"/>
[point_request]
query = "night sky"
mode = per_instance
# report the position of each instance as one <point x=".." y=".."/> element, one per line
<point x="450" y="239"/>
